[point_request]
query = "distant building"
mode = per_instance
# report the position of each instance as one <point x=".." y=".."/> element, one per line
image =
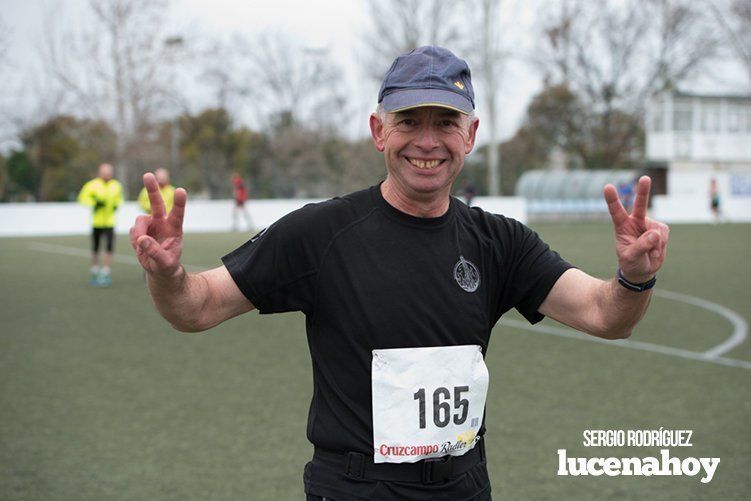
<point x="692" y="139"/>
<point x="686" y="129"/>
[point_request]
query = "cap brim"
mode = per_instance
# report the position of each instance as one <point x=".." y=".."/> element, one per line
<point x="417" y="98"/>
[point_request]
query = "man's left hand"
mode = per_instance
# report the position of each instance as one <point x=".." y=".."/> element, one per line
<point x="640" y="242"/>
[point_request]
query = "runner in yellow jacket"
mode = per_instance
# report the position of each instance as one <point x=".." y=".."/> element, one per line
<point x="165" y="188"/>
<point x="104" y="195"/>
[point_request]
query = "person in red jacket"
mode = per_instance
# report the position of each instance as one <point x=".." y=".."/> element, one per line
<point x="240" y="193"/>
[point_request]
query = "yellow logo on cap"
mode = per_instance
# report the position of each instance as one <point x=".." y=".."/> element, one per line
<point x="459" y="84"/>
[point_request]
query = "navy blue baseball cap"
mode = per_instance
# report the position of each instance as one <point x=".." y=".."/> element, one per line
<point x="428" y="76"/>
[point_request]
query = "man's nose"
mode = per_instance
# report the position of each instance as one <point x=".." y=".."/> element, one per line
<point x="427" y="138"/>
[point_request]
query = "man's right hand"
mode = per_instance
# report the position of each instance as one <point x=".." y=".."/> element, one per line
<point x="157" y="238"/>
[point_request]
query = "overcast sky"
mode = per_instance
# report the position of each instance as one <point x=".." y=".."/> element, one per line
<point x="332" y="24"/>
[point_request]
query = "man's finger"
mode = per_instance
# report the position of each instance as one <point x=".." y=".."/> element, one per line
<point x="665" y="234"/>
<point x="617" y="212"/>
<point x="642" y="197"/>
<point x="649" y="241"/>
<point x="155" y="197"/>
<point x="151" y="248"/>
<point x="177" y="214"/>
<point x="663" y="247"/>
<point x="662" y="228"/>
<point x="140" y="227"/>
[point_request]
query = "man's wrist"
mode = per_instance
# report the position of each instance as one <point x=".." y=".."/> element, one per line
<point x="633" y="285"/>
<point x="171" y="280"/>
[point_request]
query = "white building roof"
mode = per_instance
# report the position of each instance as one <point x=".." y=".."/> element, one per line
<point x="684" y="128"/>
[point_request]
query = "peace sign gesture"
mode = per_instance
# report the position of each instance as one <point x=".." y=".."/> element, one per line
<point x="157" y="239"/>
<point x="640" y="242"/>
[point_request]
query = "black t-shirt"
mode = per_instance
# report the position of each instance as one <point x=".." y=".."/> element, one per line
<point x="368" y="276"/>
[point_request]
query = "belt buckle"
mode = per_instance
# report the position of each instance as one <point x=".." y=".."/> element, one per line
<point x="436" y="470"/>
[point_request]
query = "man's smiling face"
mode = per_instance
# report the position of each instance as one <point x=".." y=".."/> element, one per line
<point x="424" y="148"/>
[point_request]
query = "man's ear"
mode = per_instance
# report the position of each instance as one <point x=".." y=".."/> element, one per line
<point x="472" y="135"/>
<point x="376" y="130"/>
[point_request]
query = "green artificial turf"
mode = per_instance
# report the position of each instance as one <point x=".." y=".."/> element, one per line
<point x="101" y="399"/>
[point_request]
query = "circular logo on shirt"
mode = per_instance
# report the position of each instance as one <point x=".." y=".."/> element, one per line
<point x="466" y="275"/>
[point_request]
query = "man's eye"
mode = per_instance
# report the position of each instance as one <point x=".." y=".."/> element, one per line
<point x="447" y="123"/>
<point x="406" y="124"/>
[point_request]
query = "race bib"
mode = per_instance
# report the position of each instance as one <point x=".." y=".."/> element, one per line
<point x="427" y="402"/>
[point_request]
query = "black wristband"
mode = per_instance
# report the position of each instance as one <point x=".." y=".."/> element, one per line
<point x="636" y="287"/>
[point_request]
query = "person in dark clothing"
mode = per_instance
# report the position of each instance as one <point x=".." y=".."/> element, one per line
<point x="401" y="285"/>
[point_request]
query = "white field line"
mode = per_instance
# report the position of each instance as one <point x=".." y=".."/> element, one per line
<point x="712" y="355"/>
<point x="740" y="327"/>
<point x="627" y="343"/>
<point x="78" y="252"/>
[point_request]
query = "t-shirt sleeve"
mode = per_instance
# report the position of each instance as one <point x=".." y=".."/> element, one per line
<point x="276" y="269"/>
<point x="532" y="270"/>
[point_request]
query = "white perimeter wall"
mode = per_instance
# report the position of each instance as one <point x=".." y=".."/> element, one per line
<point x="688" y="199"/>
<point x="695" y="209"/>
<point x="70" y="218"/>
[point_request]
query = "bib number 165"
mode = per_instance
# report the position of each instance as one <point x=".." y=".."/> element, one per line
<point x="442" y="408"/>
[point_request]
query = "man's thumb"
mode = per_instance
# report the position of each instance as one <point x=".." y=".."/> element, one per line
<point x="649" y="240"/>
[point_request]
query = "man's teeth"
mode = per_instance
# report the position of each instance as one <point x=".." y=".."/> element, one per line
<point x="424" y="164"/>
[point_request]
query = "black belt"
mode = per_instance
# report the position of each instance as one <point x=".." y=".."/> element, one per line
<point x="427" y="471"/>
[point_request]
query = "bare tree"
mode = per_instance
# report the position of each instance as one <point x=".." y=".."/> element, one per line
<point x="618" y="54"/>
<point x="615" y="55"/>
<point x="398" y="26"/>
<point x="734" y="17"/>
<point x="225" y="69"/>
<point x="297" y="94"/>
<point x="281" y="77"/>
<point x="5" y="121"/>
<point x="4" y="41"/>
<point x="115" y="68"/>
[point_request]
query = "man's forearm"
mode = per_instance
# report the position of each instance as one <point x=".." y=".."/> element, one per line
<point x="180" y="298"/>
<point x="620" y="309"/>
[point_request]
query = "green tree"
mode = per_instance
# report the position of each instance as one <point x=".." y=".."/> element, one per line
<point x="212" y="147"/>
<point x="311" y="162"/>
<point x="363" y="166"/>
<point x="3" y="177"/>
<point x="64" y="151"/>
<point x="23" y="176"/>
<point x="558" y="120"/>
<point x="590" y="138"/>
<point x="249" y="156"/>
<point x="526" y="150"/>
<point x="556" y="117"/>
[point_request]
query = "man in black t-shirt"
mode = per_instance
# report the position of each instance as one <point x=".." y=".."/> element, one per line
<point x="401" y="286"/>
